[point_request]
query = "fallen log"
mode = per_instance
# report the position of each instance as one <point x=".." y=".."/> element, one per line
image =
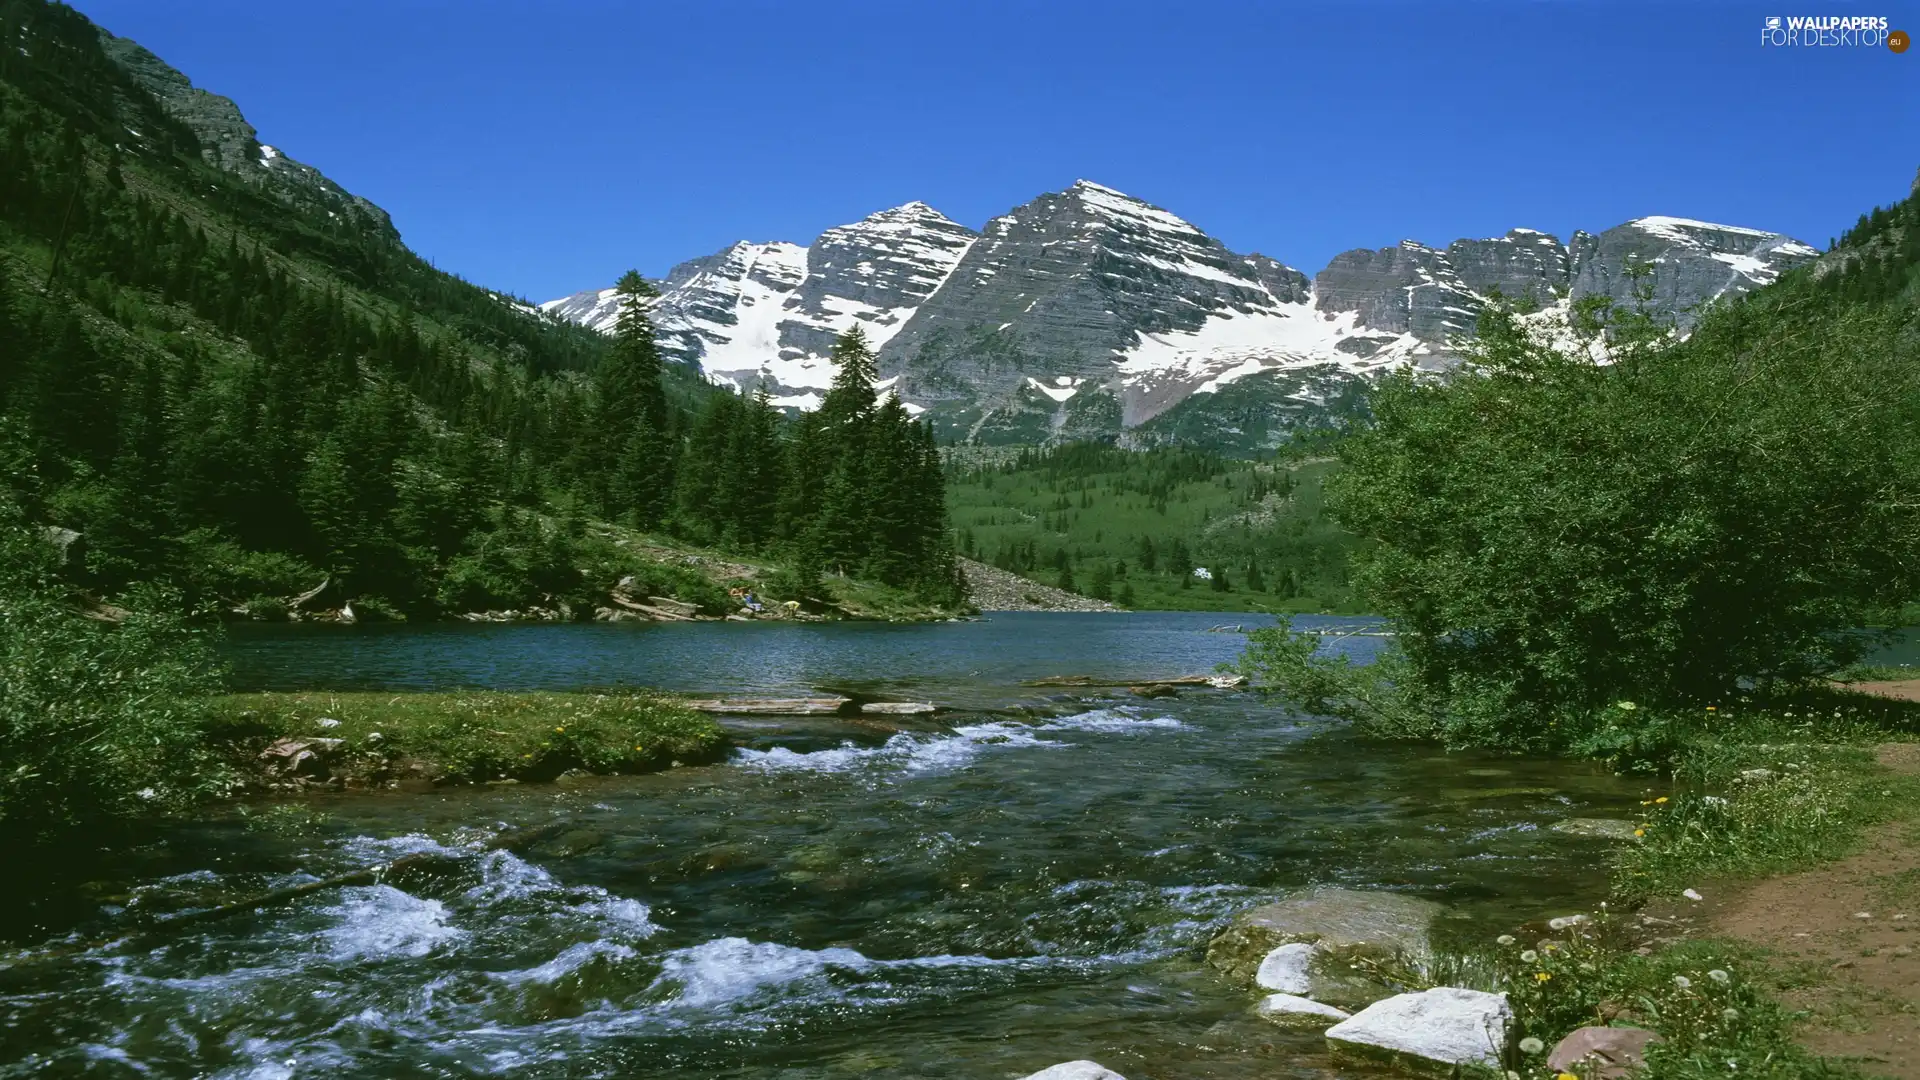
<point x="1220" y="682"/>
<point x="823" y="706"/>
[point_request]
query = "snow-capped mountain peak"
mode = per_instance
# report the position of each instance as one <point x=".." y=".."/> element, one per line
<point x="1087" y="312"/>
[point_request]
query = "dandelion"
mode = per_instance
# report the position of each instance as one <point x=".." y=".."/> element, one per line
<point x="1729" y="1014"/>
<point x="1531" y="1045"/>
<point x="1639" y="832"/>
<point x="1719" y="976"/>
<point x="1661" y="799"/>
<point x="1529" y="956"/>
<point x="1625" y="706"/>
<point x="1504" y="939"/>
<point x="1710" y="708"/>
<point x="560" y="729"/>
<point x="1682" y="982"/>
<point x="1542" y="976"/>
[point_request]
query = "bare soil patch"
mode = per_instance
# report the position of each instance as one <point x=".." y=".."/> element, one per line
<point x="1854" y="926"/>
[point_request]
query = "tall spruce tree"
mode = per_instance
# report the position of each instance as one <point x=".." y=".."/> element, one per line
<point x="631" y="446"/>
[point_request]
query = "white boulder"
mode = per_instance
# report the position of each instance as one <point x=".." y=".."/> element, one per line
<point x="1431" y="1031"/>
<point x="1077" y="1070"/>
<point x="1294" y="1011"/>
<point x="1285" y="969"/>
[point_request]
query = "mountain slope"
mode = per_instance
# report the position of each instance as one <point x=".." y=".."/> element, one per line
<point x="1087" y="313"/>
<point x="768" y="312"/>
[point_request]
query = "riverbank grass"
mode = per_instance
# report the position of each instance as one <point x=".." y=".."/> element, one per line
<point x="1770" y="788"/>
<point x="476" y="736"/>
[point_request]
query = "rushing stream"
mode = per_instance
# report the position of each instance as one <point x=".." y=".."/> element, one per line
<point x="980" y="903"/>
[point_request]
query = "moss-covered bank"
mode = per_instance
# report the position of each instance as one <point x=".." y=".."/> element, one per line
<point x="294" y="741"/>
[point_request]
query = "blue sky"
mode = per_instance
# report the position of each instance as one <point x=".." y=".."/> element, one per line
<point x="542" y="148"/>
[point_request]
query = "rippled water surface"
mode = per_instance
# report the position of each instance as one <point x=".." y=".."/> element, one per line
<point x="1019" y="890"/>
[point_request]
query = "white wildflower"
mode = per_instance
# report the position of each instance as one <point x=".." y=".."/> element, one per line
<point x="1531" y="1045"/>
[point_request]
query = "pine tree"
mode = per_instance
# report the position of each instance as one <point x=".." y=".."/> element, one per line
<point x="631" y="451"/>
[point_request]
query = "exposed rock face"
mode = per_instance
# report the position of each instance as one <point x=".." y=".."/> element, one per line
<point x="1341" y="923"/>
<point x="1692" y="262"/>
<point x="1432" y="1032"/>
<point x="768" y="313"/>
<point x="990" y="588"/>
<point x="1087" y="313"/>
<point x="230" y="144"/>
<point x="1521" y="263"/>
<point x="1407" y="289"/>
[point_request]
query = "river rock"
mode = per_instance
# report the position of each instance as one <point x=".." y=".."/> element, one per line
<point x="1291" y="1010"/>
<point x="1286" y="969"/>
<point x="1346" y="924"/>
<point x="898" y="708"/>
<point x="1602" y="1053"/>
<point x="1598" y="828"/>
<point x="1076" y="1070"/>
<point x="1433" y="1032"/>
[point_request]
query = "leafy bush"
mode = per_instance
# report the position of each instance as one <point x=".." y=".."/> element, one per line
<point x="97" y="721"/>
<point x="522" y="562"/>
<point x="1548" y="535"/>
<point x="218" y="567"/>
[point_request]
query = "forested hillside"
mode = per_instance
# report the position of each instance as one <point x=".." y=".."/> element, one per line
<point x="228" y="375"/>
<point x="1169" y="528"/>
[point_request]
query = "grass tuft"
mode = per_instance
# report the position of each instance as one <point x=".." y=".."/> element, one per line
<point x="481" y="736"/>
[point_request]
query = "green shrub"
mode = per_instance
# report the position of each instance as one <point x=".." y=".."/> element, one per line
<point x="218" y="567"/>
<point x="1548" y="535"/>
<point x="97" y="721"/>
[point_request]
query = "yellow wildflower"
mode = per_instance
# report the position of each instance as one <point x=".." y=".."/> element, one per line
<point x="1639" y="832"/>
<point x="1661" y="799"/>
<point x="1565" y="1076"/>
<point x="1542" y="976"/>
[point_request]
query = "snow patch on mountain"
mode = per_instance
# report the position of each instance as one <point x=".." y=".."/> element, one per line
<point x="768" y="313"/>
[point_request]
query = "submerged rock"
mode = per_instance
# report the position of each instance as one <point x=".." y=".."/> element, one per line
<point x="1598" y="828"/>
<point x="1345" y="924"/>
<point x="1602" y="1053"/>
<point x="899" y="708"/>
<point x="1433" y="1032"/>
<point x="1076" y="1070"/>
<point x="1292" y="1010"/>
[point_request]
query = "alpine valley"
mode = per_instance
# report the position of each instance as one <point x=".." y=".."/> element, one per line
<point x="1090" y="314"/>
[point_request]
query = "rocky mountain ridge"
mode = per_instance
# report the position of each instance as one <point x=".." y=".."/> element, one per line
<point x="1089" y="313"/>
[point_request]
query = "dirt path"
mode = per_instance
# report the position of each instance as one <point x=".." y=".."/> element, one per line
<point x="1904" y="689"/>
<point x="1859" y="919"/>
